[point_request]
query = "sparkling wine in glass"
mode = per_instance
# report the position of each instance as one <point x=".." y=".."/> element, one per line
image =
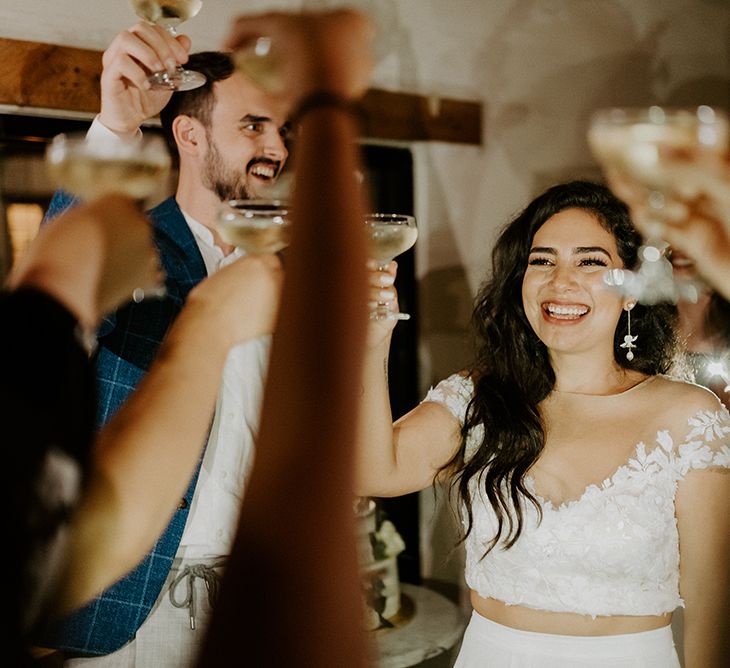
<point x="389" y="235"/>
<point x="255" y="226"/>
<point x="169" y="14"/>
<point x="259" y="63"/>
<point x="89" y="169"/>
<point x="633" y="144"/>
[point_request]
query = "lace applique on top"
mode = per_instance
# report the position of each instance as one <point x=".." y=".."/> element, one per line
<point x="612" y="551"/>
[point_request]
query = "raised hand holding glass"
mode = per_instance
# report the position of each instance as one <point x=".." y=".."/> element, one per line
<point x="89" y="169"/>
<point x="169" y="14"/>
<point x="389" y="235"/>
<point x="634" y="145"/>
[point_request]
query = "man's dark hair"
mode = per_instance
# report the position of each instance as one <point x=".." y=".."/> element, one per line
<point x="197" y="103"/>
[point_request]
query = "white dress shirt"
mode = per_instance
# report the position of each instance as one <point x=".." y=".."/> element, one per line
<point x="213" y="517"/>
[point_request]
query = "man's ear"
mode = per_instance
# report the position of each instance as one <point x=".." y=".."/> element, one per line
<point x="189" y="134"/>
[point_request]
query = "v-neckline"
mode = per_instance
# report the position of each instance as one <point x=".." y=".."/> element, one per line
<point x="608" y="481"/>
<point x="603" y="486"/>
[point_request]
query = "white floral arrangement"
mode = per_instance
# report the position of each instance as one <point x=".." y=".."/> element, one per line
<point x="386" y="541"/>
<point x="380" y="577"/>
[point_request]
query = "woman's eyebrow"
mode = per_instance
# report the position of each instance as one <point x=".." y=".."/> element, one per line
<point x="578" y="250"/>
<point x="591" y="249"/>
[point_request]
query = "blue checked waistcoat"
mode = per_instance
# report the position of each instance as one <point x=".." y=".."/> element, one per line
<point x="128" y="341"/>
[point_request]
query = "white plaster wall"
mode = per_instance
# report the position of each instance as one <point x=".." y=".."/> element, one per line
<point x="539" y="66"/>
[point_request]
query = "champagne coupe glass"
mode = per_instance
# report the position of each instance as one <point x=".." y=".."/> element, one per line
<point x="633" y="144"/>
<point x="389" y="235"/>
<point x="89" y="169"/>
<point x="259" y="63"/>
<point x="255" y="225"/>
<point x="169" y="14"/>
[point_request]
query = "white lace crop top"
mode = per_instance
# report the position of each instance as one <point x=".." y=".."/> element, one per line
<point x="614" y="550"/>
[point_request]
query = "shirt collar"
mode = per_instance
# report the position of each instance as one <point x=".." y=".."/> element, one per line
<point x="208" y="247"/>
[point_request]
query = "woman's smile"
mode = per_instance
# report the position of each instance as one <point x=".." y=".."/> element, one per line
<point x="565" y="298"/>
<point x="561" y="312"/>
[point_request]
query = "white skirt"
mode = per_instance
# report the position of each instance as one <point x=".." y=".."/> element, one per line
<point x="487" y="644"/>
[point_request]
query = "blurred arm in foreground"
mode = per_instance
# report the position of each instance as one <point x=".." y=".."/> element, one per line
<point x="306" y="585"/>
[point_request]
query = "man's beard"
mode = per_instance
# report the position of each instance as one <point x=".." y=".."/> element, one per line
<point x="226" y="183"/>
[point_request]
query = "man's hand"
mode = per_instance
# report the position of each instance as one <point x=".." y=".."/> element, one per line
<point x="126" y="98"/>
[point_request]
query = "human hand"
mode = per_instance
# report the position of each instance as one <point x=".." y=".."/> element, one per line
<point x="314" y="51"/>
<point x="695" y="217"/>
<point x="239" y="302"/>
<point x="381" y="293"/>
<point x="126" y="98"/>
<point x="92" y="258"/>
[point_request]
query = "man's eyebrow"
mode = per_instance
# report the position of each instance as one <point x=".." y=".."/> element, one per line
<point x="252" y="118"/>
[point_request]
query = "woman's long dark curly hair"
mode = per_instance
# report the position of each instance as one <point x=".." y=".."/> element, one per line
<point x="512" y="373"/>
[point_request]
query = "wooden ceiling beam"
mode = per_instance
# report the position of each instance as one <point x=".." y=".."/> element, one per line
<point x="36" y="75"/>
<point x="48" y="76"/>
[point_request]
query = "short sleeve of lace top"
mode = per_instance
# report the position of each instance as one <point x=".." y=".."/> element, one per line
<point x="707" y="443"/>
<point x="454" y="393"/>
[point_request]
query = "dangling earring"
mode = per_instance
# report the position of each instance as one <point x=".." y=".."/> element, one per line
<point x="628" y="339"/>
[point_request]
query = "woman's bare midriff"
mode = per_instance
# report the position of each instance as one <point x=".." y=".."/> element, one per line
<point x="564" y="623"/>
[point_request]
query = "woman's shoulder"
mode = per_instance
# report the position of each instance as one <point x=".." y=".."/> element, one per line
<point x="454" y="392"/>
<point x="677" y="401"/>
<point x="464" y="381"/>
<point x="696" y="425"/>
<point x="461" y="380"/>
<point x="691" y="395"/>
